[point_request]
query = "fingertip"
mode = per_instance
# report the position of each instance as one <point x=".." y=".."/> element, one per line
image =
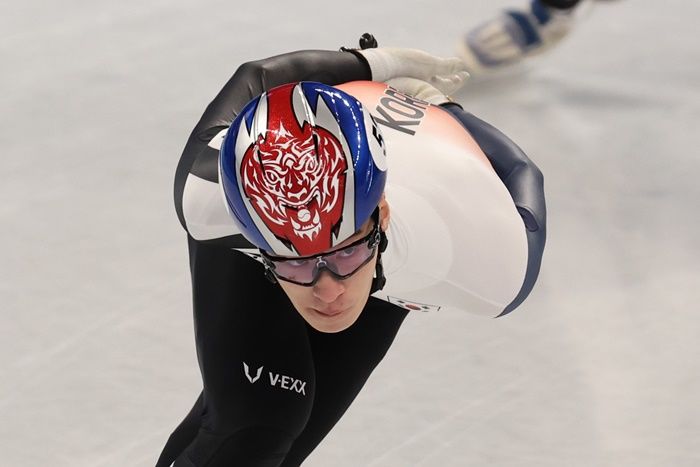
<point x="463" y="75"/>
<point x="457" y="64"/>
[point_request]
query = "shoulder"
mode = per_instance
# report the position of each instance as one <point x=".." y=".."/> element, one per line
<point x="456" y="239"/>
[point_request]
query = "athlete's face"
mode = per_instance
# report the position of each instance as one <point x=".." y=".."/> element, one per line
<point x="332" y="305"/>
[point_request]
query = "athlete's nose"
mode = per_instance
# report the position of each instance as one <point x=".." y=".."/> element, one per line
<point x="328" y="288"/>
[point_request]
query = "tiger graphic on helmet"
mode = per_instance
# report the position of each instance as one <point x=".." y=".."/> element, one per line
<point x="289" y="165"/>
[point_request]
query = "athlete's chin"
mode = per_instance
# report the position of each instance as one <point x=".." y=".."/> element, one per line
<point x="331" y="322"/>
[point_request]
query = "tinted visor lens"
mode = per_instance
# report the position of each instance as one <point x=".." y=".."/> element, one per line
<point x="342" y="263"/>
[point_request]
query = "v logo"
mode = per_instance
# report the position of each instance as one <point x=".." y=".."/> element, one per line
<point x="247" y="373"/>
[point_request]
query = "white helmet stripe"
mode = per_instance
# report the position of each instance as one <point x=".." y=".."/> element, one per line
<point x="301" y="107"/>
<point x="243" y="142"/>
<point x="259" y="127"/>
<point x="326" y="119"/>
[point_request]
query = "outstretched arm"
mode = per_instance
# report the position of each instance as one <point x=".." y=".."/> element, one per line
<point x="253" y="78"/>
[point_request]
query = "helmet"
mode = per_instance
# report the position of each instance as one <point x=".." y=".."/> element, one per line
<point x="302" y="168"/>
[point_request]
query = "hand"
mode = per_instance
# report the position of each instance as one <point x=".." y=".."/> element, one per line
<point x="387" y="63"/>
<point x="449" y="84"/>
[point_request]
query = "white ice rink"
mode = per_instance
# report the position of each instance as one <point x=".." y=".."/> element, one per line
<point x="599" y="367"/>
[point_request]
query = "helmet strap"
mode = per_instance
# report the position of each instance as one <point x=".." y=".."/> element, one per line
<point x="379" y="280"/>
<point x="269" y="275"/>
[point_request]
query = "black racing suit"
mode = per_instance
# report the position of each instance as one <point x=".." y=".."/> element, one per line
<point x="274" y="386"/>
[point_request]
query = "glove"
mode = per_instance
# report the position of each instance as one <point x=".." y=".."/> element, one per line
<point x="387" y="63"/>
<point x="514" y="35"/>
<point x="418" y="89"/>
<point x="448" y="84"/>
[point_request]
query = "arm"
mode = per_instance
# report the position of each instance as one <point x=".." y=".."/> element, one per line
<point x="253" y="78"/>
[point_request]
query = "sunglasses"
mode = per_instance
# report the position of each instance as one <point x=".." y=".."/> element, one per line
<point x="341" y="264"/>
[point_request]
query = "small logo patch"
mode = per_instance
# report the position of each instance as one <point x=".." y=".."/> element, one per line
<point x="246" y="370"/>
<point x="412" y="306"/>
<point x="277" y="380"/>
